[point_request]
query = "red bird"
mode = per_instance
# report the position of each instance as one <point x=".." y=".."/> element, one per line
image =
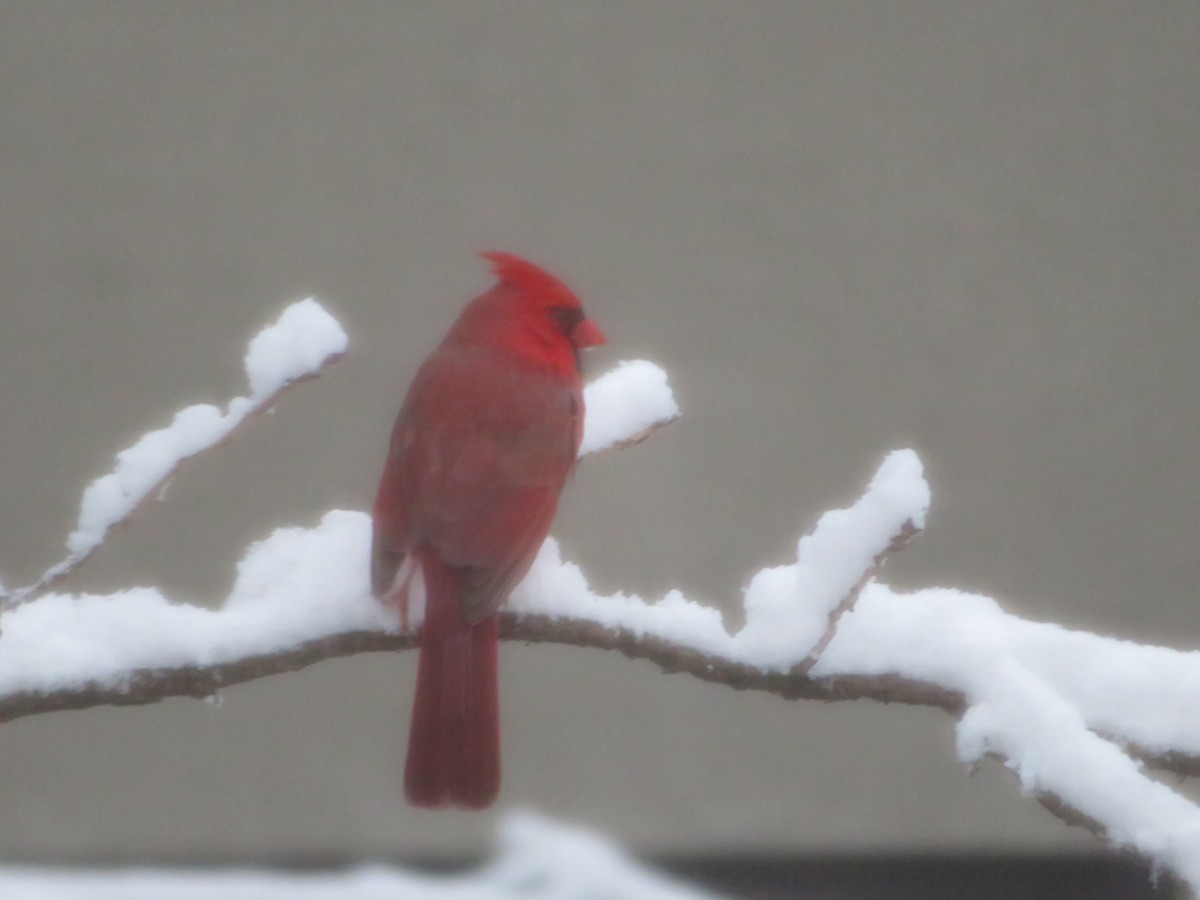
<point x="483" y="444"/>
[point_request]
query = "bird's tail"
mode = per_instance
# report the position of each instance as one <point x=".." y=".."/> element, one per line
<point x="454" y="742"/>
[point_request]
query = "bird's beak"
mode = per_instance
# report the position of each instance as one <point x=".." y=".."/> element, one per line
<point x="587" y="334"/>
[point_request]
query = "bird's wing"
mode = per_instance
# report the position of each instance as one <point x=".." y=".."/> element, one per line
<point x="478" y="456"/>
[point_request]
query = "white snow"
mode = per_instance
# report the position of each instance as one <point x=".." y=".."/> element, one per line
<point x="625" y="402"/>
<point x="787" y="607"/>
<point x="1132" y="691"/>
<point x="296" y="346"/>
<point x="1044" y="697"/>
<point x="1047" y="744"/>
<point x="297" y="585"/>
<point x="536" y="859"/>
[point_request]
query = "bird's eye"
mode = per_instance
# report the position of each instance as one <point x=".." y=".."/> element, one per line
<point x="567" y="317"/>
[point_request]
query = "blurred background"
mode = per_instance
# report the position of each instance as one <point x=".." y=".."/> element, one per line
<point x="970" y="228"/>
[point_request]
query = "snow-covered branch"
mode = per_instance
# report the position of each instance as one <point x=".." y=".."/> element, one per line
<point x="296" y="348"/>
<point x="1075" y="716"/>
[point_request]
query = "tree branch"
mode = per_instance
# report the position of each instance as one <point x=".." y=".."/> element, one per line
<point x="147" y="686"/>
<point x="66" y="567"/>
<point x="899" y="541"/>
<point x="298" y="347"/>
<point x="144" y="686"/>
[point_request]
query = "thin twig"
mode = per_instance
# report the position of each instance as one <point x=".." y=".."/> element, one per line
<point x="899" y="541"/>
<point x="633" y="439"/>
<point x="66" y="567"/>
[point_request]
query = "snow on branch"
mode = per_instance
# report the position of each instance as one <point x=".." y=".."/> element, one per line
<point x="297" y="347"/>
<point x="1075" y="716"/>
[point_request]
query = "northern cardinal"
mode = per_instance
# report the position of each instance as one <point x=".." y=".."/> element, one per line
<point x="483" y="444"/>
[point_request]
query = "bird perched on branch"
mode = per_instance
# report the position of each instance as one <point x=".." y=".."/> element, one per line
<point x="483" y="444"/>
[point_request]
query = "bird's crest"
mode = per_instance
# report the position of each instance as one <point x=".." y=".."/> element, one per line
<point x="522" y="274"/>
